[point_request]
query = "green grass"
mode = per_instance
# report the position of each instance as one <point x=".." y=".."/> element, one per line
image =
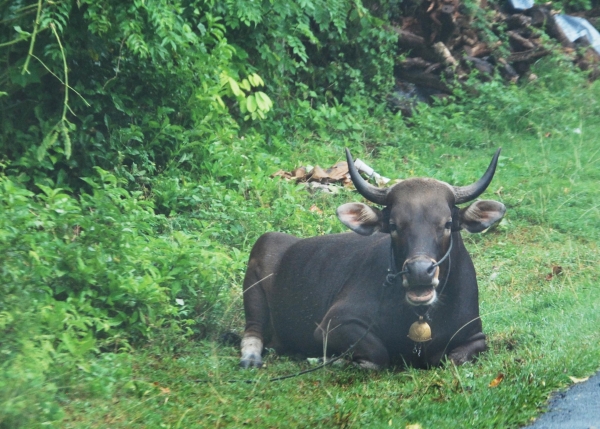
<point x="536" y="346"/>
<point x="540" y="333"/>
<point x="542" y="328"/>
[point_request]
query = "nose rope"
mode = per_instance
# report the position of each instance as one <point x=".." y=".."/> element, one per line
<point x="393" y="274"/>
<point x="437" y="264"/>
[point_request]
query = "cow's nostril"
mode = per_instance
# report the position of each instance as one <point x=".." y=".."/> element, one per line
<point x="431" y="268"/>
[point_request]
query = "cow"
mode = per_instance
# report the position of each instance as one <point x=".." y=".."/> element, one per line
<point x="400" y="289"/>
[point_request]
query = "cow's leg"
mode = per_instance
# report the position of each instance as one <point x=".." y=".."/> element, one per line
<point x="260" y="276"/>
<point x="467" y="351"/>
<point x="369" y="351"/>
<point x="256" y="310"/>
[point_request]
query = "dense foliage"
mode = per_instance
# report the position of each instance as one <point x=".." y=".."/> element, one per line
<point x="141" y="87"/>
<point x="136" y="143"/>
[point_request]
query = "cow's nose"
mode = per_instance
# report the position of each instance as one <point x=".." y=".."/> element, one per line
<point x="421" y="271"/>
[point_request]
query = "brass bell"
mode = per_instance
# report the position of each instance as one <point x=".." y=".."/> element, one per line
<point x="420" y="331"/>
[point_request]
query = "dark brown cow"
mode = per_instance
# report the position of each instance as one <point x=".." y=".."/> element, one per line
<point x="406" y="264"/>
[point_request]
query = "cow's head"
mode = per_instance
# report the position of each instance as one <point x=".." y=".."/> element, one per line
<point x="418" y="215"/>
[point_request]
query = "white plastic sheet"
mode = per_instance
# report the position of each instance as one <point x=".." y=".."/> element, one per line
<point x="521" y="4"/>
<point x="575" y="28"/>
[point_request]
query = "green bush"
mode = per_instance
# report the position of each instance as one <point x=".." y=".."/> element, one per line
<point x="106" y="260"/>
<point x="79" y="275"/>
<point x="139" y="88"/>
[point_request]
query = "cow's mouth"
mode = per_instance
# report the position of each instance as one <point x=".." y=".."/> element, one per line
<point x="420" y="295"/>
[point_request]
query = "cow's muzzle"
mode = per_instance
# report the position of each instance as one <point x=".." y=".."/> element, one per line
<point x="420" y="280"/>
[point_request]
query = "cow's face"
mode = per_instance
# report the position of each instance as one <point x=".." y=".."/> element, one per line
<point x="418" y="215"/>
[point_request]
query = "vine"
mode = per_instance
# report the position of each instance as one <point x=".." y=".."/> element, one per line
<point x="36" y="27"/>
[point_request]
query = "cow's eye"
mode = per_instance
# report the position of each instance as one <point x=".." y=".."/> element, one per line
<point x="448" y="225"/>
<point x="393" y="227"/>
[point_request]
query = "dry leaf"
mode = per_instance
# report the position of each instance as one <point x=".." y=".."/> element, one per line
<point x="578" y="380"/>
<point x="283" y="174"/>
<point x="318" y="174"/>
<point x="496" y="381"/>
<point x="339" y="171"/>
<point x="165" y="390"/>
<point x="299" y="172"/>
<point x="315" y="209"/>
<point x="414" y="426"/>
<point x="335" y="174"/>
<point x="556" y="270"/>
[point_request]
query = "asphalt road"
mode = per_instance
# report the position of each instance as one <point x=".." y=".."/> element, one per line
<point x="577" y="408"/>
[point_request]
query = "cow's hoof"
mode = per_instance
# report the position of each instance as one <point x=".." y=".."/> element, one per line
<point x="468" y="351"/>
<point x="459" y="359"/>
<point x="365" y="364"/>
<point x="251" y="362"/>
<point x="251" y="352"/>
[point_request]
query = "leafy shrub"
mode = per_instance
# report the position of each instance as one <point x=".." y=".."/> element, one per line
<point x="126" y="85"/>
<point x="137" y="88"/>
<point x="81" y="275"/>
<point x="106" y="260"/>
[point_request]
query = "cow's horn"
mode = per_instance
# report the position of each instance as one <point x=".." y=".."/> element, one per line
<point x="462" y="194"/>
<point x="372" y="193"/>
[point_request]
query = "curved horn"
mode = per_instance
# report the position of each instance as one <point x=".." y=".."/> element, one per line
<point x="462" y="194"/>
<point x="372" y="193"/>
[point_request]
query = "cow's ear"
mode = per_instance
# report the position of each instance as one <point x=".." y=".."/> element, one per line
<point x="481" y="215"/>
<point x="361" y="218"/>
